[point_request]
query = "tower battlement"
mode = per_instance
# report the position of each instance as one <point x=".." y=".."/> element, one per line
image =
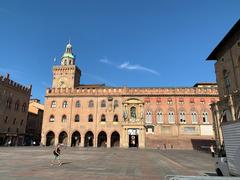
<point x="8" y="82"/>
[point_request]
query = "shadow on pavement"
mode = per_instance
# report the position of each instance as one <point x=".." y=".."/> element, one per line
<point x="211" y="174"/>
<point x="63" y="163"/>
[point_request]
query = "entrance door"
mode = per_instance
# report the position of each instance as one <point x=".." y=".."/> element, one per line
<point x="133" y="140"/>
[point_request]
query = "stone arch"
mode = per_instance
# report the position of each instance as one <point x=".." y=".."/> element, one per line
<point x="115" y="139"/>
<point x="63" y="138"/>
<point x="89" y="139"/>
<point x="50" y="138"/>
<point x="76" y="139"/>
<point x="102" y="139"/>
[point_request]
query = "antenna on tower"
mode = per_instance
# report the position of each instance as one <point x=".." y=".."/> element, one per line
<point x="69" y="40"/>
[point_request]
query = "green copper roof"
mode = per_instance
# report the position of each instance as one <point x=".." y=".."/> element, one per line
<point x="69" y="55"/>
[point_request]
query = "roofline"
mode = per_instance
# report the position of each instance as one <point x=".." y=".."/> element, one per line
<point x="234" y="29"/>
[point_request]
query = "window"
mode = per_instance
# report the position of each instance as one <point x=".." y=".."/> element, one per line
<point x="194" y="117"/>
<point x="181" y="101"/>
<point x="51" y="119"/>
<point x="24" y="107"/>
<point x="226" y="81"/>
<point x="9" y="129"/>
<point x="90" y="118"/>
<point x="14" y="121"/>
<point x="17" y="106"/>
<point x="17" y="130"/>
<point x="205" y="117"/>
<point x="115" y="104"/>
<point x="103" y="103"/>
<point x="53" y="104"/>
<point x="149" y="117"/>
<point x="158" y="100"/>
<point x="9" y="103"/>
<point x="115" y="118"/>
<point x="78" y="105"/>
<point x="159" y="117"/>
<point x="6" y="120"/>
<point x="21" y="122"/>
<point x="77" y="118"/>
<point x="182" y="117"/>
<point x="171" y="117"/>
<point x="90" y="104"/>
<point x="103" y="118"/>
<point x="170" y="101"/>
<point x="189" y="129"/>
<point x="202" y="101"/>
<point x="192" y="100"/>
<point x="64" y="118"/>
<point x="65" y="104"/>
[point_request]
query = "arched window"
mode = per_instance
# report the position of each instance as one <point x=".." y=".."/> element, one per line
<point x="90" y="118"/>
<point x="65" y="104"/>
<point x="52" y="118"/>
<point x="194" y="117"/>
<point x="149" y="117"/>
<point x="103" y="103"/>
<point x="103" y="118"/>
<point x="205" y="117"/>
<point x="171" y="117"/>
<point x="182" y="117"/>
<point x="17" y="105"/>
<point x="78" y="105"/>
<point x="90" y="104"/>
<point x="14" y="121"/>
<point x="64" y="118"/>
<point x="115" y="104"/>
<point x="24" y="107"/>
<point x="115" y="118"/>
<point x="21" y="122"/>
<point x="159" y="117"/>
<point x="9" y="103"/>
<point x="53" y="104"/>
<point x="77" y="118"/>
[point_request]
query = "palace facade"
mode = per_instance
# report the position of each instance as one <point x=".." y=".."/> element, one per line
<point x="101" y="116"/>
<point x="14" y="99"/>
<point x="227" y="67"/>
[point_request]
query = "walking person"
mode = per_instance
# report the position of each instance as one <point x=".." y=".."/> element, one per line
<point x="212" y="151"/>
<point x="56" y="154"/>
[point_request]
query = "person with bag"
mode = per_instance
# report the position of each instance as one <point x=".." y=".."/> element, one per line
<point x="56" y="154"/>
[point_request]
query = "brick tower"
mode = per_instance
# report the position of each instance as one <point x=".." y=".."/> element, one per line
<point x="67" y="75"/>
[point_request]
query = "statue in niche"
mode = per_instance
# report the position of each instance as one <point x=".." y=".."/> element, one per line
<point x="133" y="112"/>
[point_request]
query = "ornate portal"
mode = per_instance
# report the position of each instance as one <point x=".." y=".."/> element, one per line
<point x="134" y="130"/>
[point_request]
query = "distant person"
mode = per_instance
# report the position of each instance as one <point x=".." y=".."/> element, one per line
<point x="56" y="154"/>
<point x="9" y="143"/>
<point x="212" y="151"/>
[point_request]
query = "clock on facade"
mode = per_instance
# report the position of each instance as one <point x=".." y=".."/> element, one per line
<point x="62" y="82"/>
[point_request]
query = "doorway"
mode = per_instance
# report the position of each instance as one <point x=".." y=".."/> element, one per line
<point x="133" y="140"/>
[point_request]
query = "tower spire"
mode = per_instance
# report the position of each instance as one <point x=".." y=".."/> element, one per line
<point x="68" y="57"/>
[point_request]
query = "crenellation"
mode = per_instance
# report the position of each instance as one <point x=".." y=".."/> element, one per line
<point x="132" y="91"/>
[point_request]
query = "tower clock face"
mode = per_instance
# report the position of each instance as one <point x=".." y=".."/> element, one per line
<point x="62" y="82"/>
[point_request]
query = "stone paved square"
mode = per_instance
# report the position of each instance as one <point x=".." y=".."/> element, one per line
<point x="102" y="163"/>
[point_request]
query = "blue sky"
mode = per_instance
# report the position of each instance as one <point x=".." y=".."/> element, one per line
<point x="134" y="43"/>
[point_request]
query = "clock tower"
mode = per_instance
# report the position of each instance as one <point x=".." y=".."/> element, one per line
<point x="67" y="75"/>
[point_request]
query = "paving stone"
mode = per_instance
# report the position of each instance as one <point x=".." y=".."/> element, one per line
<point x="99" y="163"/>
